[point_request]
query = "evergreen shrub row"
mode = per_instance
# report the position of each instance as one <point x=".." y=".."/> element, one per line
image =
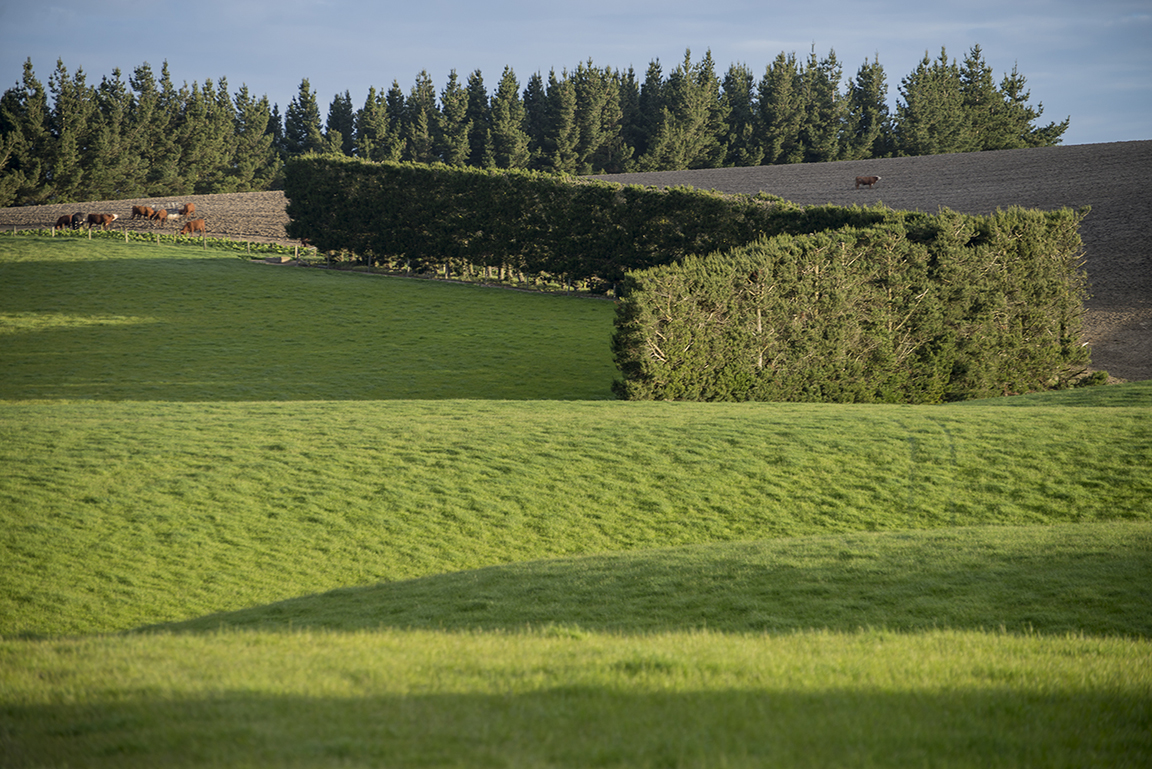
<point x="733" y="297"/>
<point x="914" y="310"/>
<point x="581" y="230"/>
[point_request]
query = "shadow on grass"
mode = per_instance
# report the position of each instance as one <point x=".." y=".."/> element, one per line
<point x="593" y="726"/>
<point x="1053" y="580"/>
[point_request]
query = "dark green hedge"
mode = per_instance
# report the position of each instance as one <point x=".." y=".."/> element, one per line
<point x="920" y="309"/>
<point x="530" y="222"/>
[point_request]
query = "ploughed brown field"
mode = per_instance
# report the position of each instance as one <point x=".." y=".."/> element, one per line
<point x="1113" y="179"/>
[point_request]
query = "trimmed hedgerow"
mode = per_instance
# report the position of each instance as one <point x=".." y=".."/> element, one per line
<point x="920" y="309"/>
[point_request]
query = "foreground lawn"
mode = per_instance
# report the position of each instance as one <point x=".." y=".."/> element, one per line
<point x="562" y="698"/>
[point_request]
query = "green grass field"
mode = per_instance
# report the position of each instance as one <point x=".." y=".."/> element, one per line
<point x="273" y="516"/>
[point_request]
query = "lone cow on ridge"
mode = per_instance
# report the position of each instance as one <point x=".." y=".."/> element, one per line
<point x="867" y="181"/>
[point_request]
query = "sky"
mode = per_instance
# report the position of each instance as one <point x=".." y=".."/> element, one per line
<point x="1088" y="61"/>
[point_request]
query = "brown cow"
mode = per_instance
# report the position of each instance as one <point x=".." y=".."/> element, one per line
<point x="142" y="212"/>
<point x="160" y="215"/>
<point x="867" y="181"/>
<point x="63" y="221"/>
<point x="188" y="209"/>
<point x="193" y="226"/>
<point x="101" y="219"/>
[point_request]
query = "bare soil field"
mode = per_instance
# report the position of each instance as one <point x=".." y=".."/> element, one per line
<point x="1110" y="178"/>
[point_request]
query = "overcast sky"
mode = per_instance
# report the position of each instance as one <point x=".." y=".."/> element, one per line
<point x="1090" y="61"/>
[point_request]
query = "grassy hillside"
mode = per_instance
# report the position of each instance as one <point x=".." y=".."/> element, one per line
<point x="249" y="517"/>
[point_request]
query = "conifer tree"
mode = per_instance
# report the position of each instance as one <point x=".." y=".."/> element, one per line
<point x="742" y="141"/>
<point x="509" y="139"/>
<point x="114" y="169"/>
<point x="560" y="141"/>
<point x="932" y="118"/>
<point x="868" y="124"/>
<point x="256" y="164"/>
<point x="376" y="139"/>
<point x="692" y="122"/>
<point x="395" y="102"/>
<point x="480" y="123"/>
<point x="420" y="120"/>
<point x="72" y="118"/>
<point x="206" y="136"/>
<point x="452" y="134"/>
<point x="630" y="120"/>
<point x="164" y="171"/>
<point x="781" y="112"/>
<point x="823" y="109"/>
<point x="276" y="130"/>
<point x="340" y="128"/>
<point x="302" y="123"/>
<point x="650" y="106"/>
<point x="25" y="141"/>
<point x="147" y="129"/>
<point x="599" y="146"/>
<point x="1020" y="116"/>
<point x="536" y="118"/>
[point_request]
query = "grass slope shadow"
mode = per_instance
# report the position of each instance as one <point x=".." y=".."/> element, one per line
<point x="1077" y="578"/>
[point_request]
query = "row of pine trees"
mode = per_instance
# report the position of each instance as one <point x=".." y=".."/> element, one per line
<point x="148" y="138"/>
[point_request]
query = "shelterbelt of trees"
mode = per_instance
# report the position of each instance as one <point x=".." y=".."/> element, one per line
<point x="146" y="137"/>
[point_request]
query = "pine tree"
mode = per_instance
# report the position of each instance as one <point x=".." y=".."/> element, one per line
<point x="536" y="118"/>
<point x="302" y="123"/>
<point x="650" y="107"/>
<point x="631" y="131"/>
<point x="693" y="120"/>
<point x="276" y="130"/>
<point x="256" y="164"/>
<point x="376" y="139"/>
<point x="397" y="106"/>
<point x="206" y="135"/>
<point x="420" y="120"/>
<point x="25" y="142"/>
<point x="164" y="170"/>
<point x="340" y="128"/>
<point x="148" y="127"/>
<point x="480" y="153"/>
<point x="509" y="139"/>
<point x="868" y="125"/>
<point x="1019" y="117"/>
<point x="781" y="112"/>
<point x="742" y="147"/>
<point x="453" y="131"/>
<point x="932" y="118"/>
<point x="114" y="169"/>
<point x="72" y="119"/>
<point x="560" y="141"/>
<point x="600" y="146"/>
<point x="823" y="109"/>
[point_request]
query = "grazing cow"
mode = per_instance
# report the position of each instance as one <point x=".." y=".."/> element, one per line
<point x="188" y="209"/>
<point x="101" y="219"/>
<point x="78" y="220"/>
<point x="193" y="226"/>
<point x="142" y="212"/>
<point x="63" y="221"/>
<point x="160" y="215"/>
<point x="867" y="181"/>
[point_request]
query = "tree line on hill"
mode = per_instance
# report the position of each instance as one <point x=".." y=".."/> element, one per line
<point x="146" y="137"/>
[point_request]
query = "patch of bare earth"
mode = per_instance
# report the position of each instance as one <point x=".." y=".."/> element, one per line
<point x="1110" y="178"/>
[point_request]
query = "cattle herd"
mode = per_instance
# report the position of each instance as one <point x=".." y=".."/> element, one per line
<point x="157" y="215"/>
